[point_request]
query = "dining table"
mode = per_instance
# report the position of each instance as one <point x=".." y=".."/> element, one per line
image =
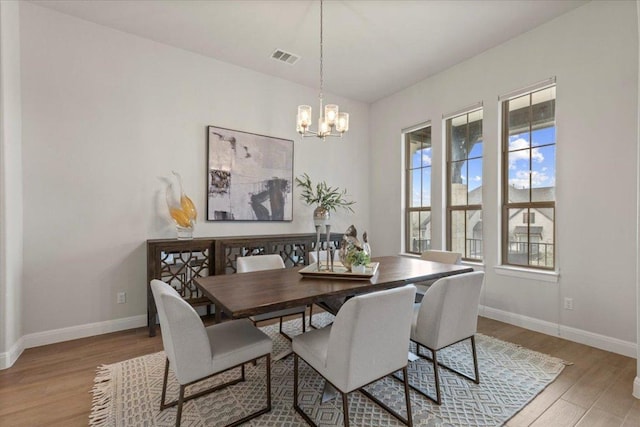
<point x="248" y="294"/>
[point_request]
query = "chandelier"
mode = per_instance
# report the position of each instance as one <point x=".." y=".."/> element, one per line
<point x="332" y="123"/>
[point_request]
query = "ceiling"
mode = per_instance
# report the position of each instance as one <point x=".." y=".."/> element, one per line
<point x="371" y="48"/>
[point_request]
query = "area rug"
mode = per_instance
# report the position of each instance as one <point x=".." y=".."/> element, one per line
<point x="128" y="393"/>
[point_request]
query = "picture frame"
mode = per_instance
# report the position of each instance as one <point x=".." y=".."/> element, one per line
<point x="249" y="176"/>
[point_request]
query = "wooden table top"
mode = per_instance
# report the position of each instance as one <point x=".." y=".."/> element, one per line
<point x="248" y="294"/>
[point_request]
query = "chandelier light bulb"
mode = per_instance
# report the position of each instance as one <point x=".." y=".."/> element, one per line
<point x="342" y="124"/>
<point x="331" y="114"/>
<point x="304" y="116"/>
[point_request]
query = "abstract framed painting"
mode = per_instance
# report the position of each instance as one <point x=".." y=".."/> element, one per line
<point x="249" y="176"/>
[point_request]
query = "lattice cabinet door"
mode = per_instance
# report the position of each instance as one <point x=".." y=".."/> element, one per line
<point x="178" y="263"/>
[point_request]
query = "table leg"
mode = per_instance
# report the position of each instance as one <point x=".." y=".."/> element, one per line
<point x="218" y="313"/>
<point x="329" y="392"/>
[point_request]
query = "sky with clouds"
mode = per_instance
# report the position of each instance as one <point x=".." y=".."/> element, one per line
<point x="539" y="145"/>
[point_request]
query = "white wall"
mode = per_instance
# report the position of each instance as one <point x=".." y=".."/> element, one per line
<point x="10" y="186"/>
<point x="593" y="52"/>
<point x="106" y="117"/>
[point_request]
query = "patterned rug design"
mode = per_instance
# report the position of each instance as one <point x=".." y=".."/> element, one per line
<point x="127" y="393"/>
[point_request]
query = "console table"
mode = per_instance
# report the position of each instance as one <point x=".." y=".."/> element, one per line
<point x="179" y="262"/>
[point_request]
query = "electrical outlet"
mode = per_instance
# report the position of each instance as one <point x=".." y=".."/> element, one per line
<point x="568" y="303"/>
<point x="122" y="297"/>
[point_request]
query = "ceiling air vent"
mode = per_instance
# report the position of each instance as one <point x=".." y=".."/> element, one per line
<point x="287" y="57"/>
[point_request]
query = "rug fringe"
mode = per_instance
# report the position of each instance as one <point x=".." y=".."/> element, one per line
<point x="101" y="414"/>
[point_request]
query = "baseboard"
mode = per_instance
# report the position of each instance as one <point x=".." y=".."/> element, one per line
<point x="531" y="323"/>
<point x="636" y="388"/>
<point x="8" y="358"/>
<point x="82" y="331"/>
<point x="603" y="342"/>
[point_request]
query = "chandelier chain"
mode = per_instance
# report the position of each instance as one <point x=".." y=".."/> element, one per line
<point x="321" y="56"/>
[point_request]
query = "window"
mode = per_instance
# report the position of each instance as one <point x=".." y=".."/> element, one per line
<point x="529" y="179"/>
<point x="418" y="190"/>
<point x="464" y="184"/>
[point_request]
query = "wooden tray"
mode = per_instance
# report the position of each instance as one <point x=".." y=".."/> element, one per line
<point x="339" y="271"/>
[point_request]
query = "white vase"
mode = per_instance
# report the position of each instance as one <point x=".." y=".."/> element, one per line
<point x="358" y="269"/>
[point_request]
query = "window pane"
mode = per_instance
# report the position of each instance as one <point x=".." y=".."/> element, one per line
<point x="426" y="187"/>
<point x="518" y="141"/>
<point x="420" y="231"/>
<point x="474" y="182"/>
<point x="425" y="156"/>
<point x="420" y="147"/>
<point x="542" y="237"/>
<point x="474" y="140"/>
<point x="520" y="114"/>
<point x="458" y="183"/>
<point x="543" y="174"/>
<point x="475" y="150"/>
<point x="544" y="136"/>
<point x="474" y="234"/>
<point x="519" y="176"/>
<point x="518" y="245"/>
<point x="543" y="109"/>
<point x="531" y="243"/>
<point x="414" y="230"/>
<point x="458" y="231"/>
<point x="458" y="143"/>
<point x="416" y="154"/>
<point x="415" y="187"/>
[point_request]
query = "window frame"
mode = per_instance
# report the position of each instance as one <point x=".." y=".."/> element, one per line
<point x="527" y="207"/>
<point x="408" y="176"/>
<point x="448" y="162"/>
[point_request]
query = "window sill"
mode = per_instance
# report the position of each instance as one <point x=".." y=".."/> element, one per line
<point x="527" y="273"/>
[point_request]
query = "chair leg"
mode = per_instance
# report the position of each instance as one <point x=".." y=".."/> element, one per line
<point x="164" y="384"/>
<point x="311" y="317"/>
<point x="295" y="380"/>
<point x="475" y="359"/>
<point x="345" y="408"/>
<point x="436" y="376"/>
<point x="180" y="402"/>
<point x="407" y="397"/>
<point x="268" y="382"/>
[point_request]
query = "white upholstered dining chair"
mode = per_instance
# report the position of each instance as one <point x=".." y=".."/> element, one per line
<point x="269" y="262"/>
<point x="195" y="353"/>
<point x="447" y="315"/>
<point x="444" y="257"/>
<point x="360" y="347"/>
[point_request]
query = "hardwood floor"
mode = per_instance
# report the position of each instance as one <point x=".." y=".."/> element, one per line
<point x="50" y="385"/>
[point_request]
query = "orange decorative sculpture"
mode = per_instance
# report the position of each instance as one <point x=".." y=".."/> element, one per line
<point x="182" y="210"/>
